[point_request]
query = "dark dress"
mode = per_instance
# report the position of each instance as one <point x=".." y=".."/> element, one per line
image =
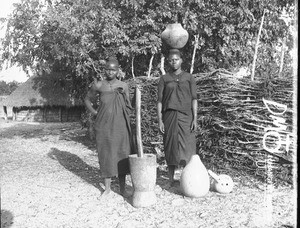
<point x="176" y="93"/>
<point x="113" y="133"/>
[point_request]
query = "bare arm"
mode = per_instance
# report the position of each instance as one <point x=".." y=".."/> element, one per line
<point x="195" y="108"/>
<point x="126" y="89"/>
<point x="87" y="100"/>
<point x="159" y="117"/>
<point x="194" y="103"/>
<point x="160" y="89"/>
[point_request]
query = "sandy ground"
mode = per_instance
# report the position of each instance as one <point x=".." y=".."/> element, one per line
<point x="50" y="178"/>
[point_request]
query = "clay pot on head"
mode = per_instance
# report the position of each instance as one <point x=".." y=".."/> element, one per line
<point x="175" y="36"/>
<point x="194" y="180"/>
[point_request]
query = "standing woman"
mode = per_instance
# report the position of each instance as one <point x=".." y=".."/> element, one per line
<point x="177" y="113"/>
<point x="112" y="125"/>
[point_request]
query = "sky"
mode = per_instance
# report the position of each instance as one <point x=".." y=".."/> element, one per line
<point x="13" y="73"/>
<point x="5" y="9"/>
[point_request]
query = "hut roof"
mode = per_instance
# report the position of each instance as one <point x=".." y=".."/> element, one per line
<point x="41" y="90"/>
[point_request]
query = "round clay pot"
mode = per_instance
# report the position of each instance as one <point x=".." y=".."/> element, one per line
<point x="175" y="36"/>
<point x="143" y="176"/>
<point x="194" y="180"/>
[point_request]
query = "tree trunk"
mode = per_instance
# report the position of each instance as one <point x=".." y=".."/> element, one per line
<point x="132" y="67"/>
<point x="162" y="64"/>
<point x="194" y="52"/>
<point x="256" y="46"/>
<point x="14" y="112"/>
<point x="5" y="112"/>
<point x="150" y="65"/>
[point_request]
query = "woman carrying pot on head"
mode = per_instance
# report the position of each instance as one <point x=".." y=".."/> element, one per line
<point x="177" y="113"/>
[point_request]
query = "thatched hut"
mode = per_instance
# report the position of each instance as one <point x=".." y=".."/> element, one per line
<point x="43" y="98"/>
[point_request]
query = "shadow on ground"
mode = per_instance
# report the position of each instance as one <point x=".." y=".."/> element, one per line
<point x="92" y="176"/>
<point x="75" y="132"/>
<point x="77" y="166"/>
<point x="6" y="219"/>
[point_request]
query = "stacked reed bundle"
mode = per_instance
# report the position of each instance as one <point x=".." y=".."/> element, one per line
<point x="232" y="119"/>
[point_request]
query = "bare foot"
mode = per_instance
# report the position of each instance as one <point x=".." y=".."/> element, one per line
<point x="126" y="194"/>
<point x="171" y="184"/>
<point x="174" y="183"/>
<point x="106" y="193"/>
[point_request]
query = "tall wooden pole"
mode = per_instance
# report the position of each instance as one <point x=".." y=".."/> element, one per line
<point x="150" y="65"/>
<point x="132" y="67"/>
<point x="282" y="56"/>
<point x="162" y="64"/>
<point x="138" y="122"/>
<point x="256" y="46"/>
<point x="194" y="52"/>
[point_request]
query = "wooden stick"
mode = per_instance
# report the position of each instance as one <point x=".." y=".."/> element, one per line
<point x="162" y="64"/>
<point x="150" y="65"/>
<point x="132" y="67"/>
<point x="282" y="56"/>
<point x="256" y="46"/>
<point x="194" y="52"/>
<point x="138" y="122"/>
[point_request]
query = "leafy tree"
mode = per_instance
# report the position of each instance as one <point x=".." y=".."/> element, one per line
<point x="75" y="36"/>
<point x="227" y="29"/>
<point x="66" y="36"/>
<point x="8" y="88"/>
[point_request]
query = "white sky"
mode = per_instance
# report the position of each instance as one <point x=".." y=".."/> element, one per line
<point x="13" y="73"/>
<point x="6" y="7"/>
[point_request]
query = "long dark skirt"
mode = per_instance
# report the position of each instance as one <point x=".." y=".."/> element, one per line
<point x="179" y="141"/>
<point x="113" y="134"/>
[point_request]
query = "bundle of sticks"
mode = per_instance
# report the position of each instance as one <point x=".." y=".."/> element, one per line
<point x="232" y="118"/>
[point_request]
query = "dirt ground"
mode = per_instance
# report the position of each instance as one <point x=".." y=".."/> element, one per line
<point x="50" y="178"/>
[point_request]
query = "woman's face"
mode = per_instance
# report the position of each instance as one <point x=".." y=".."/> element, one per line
<point x="175" y="61"/>
<point x="111" y="71"/>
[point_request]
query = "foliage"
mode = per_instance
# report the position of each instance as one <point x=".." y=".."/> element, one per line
<point x="75" y="36"/>
<point x="8" y="88"/>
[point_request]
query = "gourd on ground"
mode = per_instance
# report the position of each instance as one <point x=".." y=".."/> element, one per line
<point x="194" y="180"/>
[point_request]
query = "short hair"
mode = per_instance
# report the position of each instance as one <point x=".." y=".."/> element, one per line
<point x="113" y="61"/>
<point x="174" y="52"/>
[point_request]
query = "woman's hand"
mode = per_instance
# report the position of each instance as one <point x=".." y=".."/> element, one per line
<point x="161" y="127"/>
<point x="194" y="125"/>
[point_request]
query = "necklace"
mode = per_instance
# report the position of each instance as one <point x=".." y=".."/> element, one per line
<point x="177" y="77"/>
